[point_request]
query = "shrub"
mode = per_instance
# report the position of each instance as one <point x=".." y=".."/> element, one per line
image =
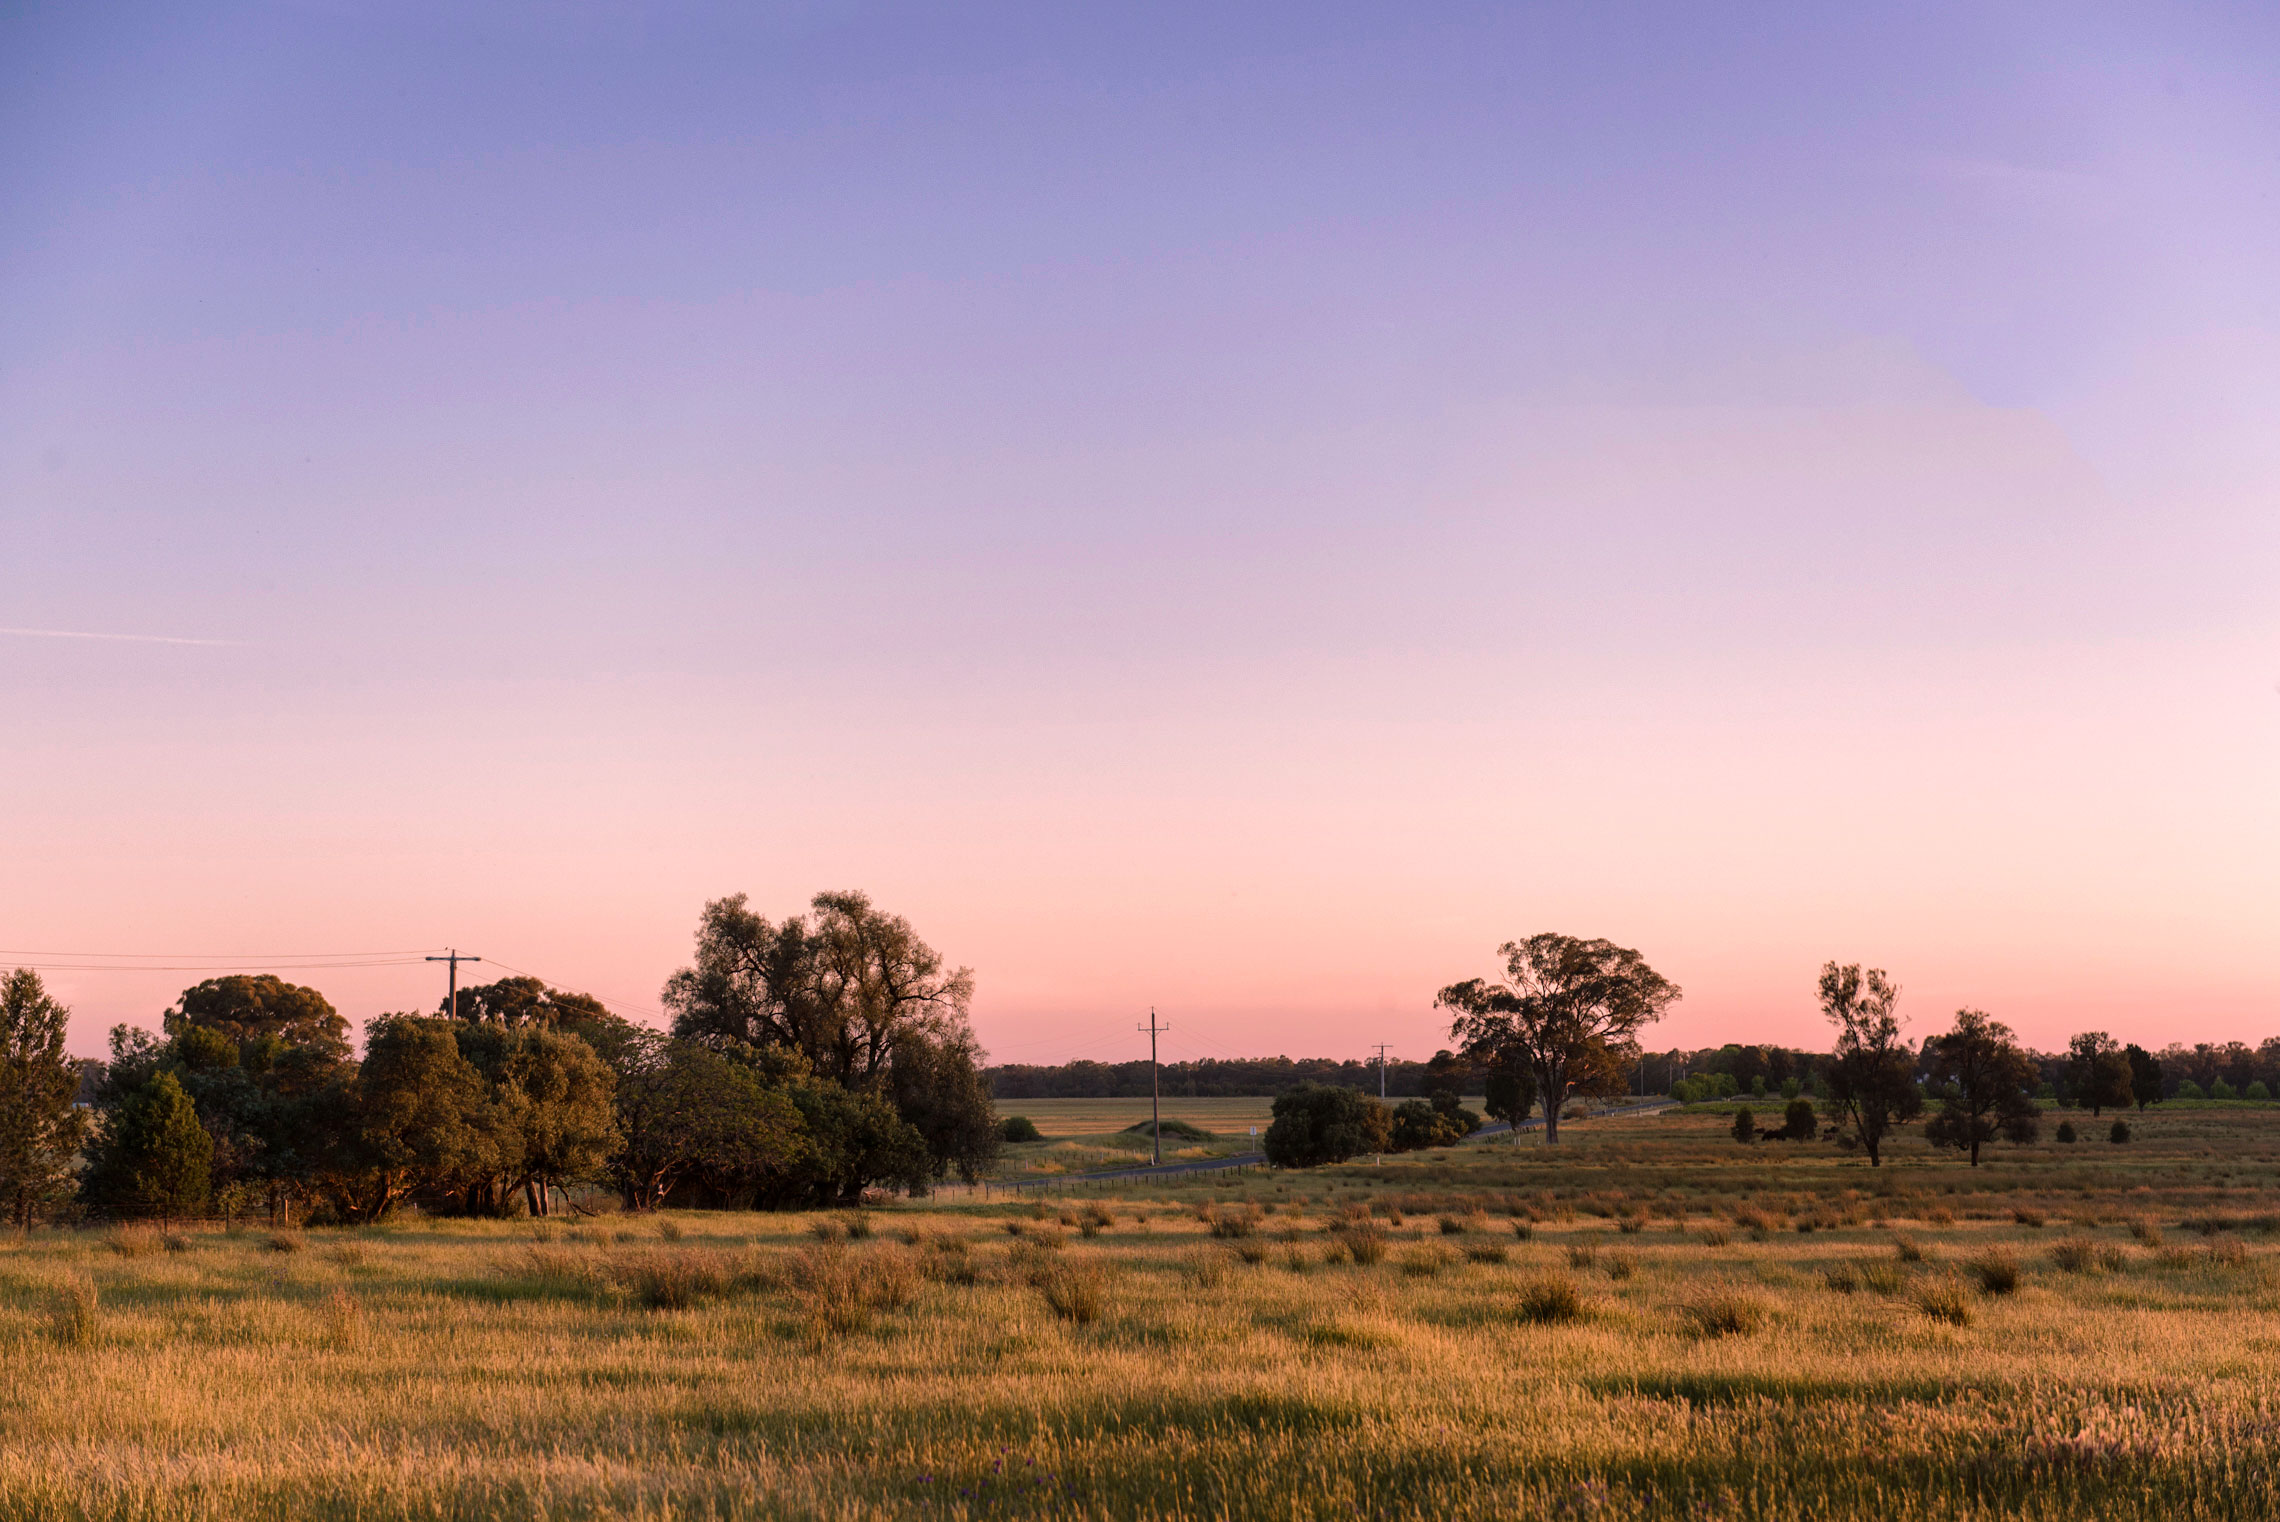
<point x="2066" y="1131"/>
<point x="1316" y="1124"/>
<point x="1745" y="1125"/>
<point x="2257" y="1091"/>
<point x="1723" y="1313"/>
<point x="1944" y="1300"/>
<point x="1019" y="1128"/>
<point x="1799" y="1122"/>
<point x="2223" y="1090"/>
<point x="1076" y="1292"/>
<point x="2188" y="1089"/>
<point x="2120" y="1133"/>
<point x="1550" y="1300"/>
<point x="72" y="1319"/>
<point x="1996" y="1270"/>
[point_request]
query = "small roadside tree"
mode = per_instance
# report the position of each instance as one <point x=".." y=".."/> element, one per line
<point x="1323" y="1123"/>
<point x="1568" y="1011"/>
<point x="1985" y="1083"/>
<point x="40" y="1127"/>
<point x="1871" y="1078"/>
<point x="2097" y="1072"/>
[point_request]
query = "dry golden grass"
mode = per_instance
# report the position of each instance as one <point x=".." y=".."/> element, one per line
<point x="752" y="1367"/>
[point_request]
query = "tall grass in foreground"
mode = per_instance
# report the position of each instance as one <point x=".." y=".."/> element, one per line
<point x="931" y="1364"/>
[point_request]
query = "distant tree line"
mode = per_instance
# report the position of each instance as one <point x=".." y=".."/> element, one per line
<point x="808" y="1061"/>
<point x="1213" y="1077"/>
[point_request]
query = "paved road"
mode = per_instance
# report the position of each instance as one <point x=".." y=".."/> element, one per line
<point x="1254" y="1159"/>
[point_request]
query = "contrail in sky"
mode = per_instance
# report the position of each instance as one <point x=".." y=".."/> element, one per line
<point x="132" y="639"/>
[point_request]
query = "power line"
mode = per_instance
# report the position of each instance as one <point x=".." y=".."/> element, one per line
<point x="454" y="958"/>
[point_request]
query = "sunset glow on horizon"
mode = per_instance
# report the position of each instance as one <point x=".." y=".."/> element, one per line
<point x="1233" y="514"/>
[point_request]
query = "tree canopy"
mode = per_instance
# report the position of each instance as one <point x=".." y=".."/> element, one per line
<point x="1985" y="1085"/>
<point x="249" y="1006"/>
<point x="40" y="1127"/>
<point x="1872" y="1075"/>
<point x="1568" y="1011"/>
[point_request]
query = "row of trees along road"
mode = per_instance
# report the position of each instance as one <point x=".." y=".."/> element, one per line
<point x="809" y="1060"/>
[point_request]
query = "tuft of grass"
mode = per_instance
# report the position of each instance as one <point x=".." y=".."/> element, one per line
<point x="1630" y="1225"/>
<point x="2026" y="1217"/>
<point x="668" y="1230"/>
<point x="1364" y="1243"/>
<point x="1235" y="1220"/>
<point x="1944" y="1300"/>
<point x="2145" y="1233"/>
<point x="344" y="1321"/>
<point x="1582" y="1255"/>
<point x="1996" y="1270"/>
<point x="1451" y="1226"/>
<point x="1907" y="1249"/>
<point x="1883" y="1278"/>
<point x="285" y="1242"/>
<point x="1251" y="1250"/>
<point x="1523" y="1229"/>
<point x="1076" y="1291"/>
<point x="1620" y="1265"/>
<point x="347" y="1254"/>
<point x="131" y="1241"/>
<point x="1487" y="1252"/>
<point x="859" y="1226"/>
<point x="1723" y="1313"/>
<point x="2081" y="1255"/>
<point x="673" y="1281"/>
<point x="1841" y="1277"/>
<point x="1550" y="1300"/>
<point x="1717" y="1236"/>
<point x="72" y="1318"/>
<point x="175" y="1241"/>
<point x="824" y="1229"/>
<point x="1426" y="1259"/>
<point x="1204" y="1268"/>
<point x="949" y="1260"/>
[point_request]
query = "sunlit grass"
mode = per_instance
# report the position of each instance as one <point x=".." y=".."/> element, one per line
<point x="1715" y="1361"/>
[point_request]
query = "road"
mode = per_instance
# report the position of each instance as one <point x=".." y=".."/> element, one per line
<point x="1254" y="1159"/>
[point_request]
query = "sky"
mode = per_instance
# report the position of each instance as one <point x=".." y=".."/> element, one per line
<point x="1233" y="510"/>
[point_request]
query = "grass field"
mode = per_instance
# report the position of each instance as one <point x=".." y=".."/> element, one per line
<point x="1650" y="1320"/>
<point x="1086" y="1135"/>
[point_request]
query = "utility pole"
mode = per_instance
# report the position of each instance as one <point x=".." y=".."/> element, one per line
<point x="455" y="957"/>
<point x="1155" y="1086"/>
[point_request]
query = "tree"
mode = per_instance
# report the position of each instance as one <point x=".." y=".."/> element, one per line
<point x="1568" y="1011"/>
<point x="1323" y="1123"/>
<point x="839" y="991"/>
<point x="2145" y="1075"/>
<point x="2097" y="1072"/>
<point x="1421" y="1123"/>
<point x="40" y="1127"/>
<point x="1985" y="1083"/>
<point x="936" y="1083"/>
<point x="247" y="1006"/>
<point x="548" y="1111"/>
<point x="1511" y="1094"/>
<point x="1745" y="1125"/>
<point x="687" y="1110"/>
<point x="1798" y="1120"/>
<point x="1871" y="1077"/>
<point x="154" y="1157"/>
<point x="421" y="1119"/>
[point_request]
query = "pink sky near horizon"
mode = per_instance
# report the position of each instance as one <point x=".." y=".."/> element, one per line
<point x="1233" y="515"/>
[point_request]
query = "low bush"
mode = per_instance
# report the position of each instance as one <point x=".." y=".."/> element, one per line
<point x="1019" y="1128"/>
<point x="2120" y="1133"/>
<point x="2066" y="1131"/>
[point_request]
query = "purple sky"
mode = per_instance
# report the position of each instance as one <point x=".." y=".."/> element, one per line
<point x="1239" y="509"/>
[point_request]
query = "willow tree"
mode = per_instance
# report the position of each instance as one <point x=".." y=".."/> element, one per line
<point x="1567" y="1011"/>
